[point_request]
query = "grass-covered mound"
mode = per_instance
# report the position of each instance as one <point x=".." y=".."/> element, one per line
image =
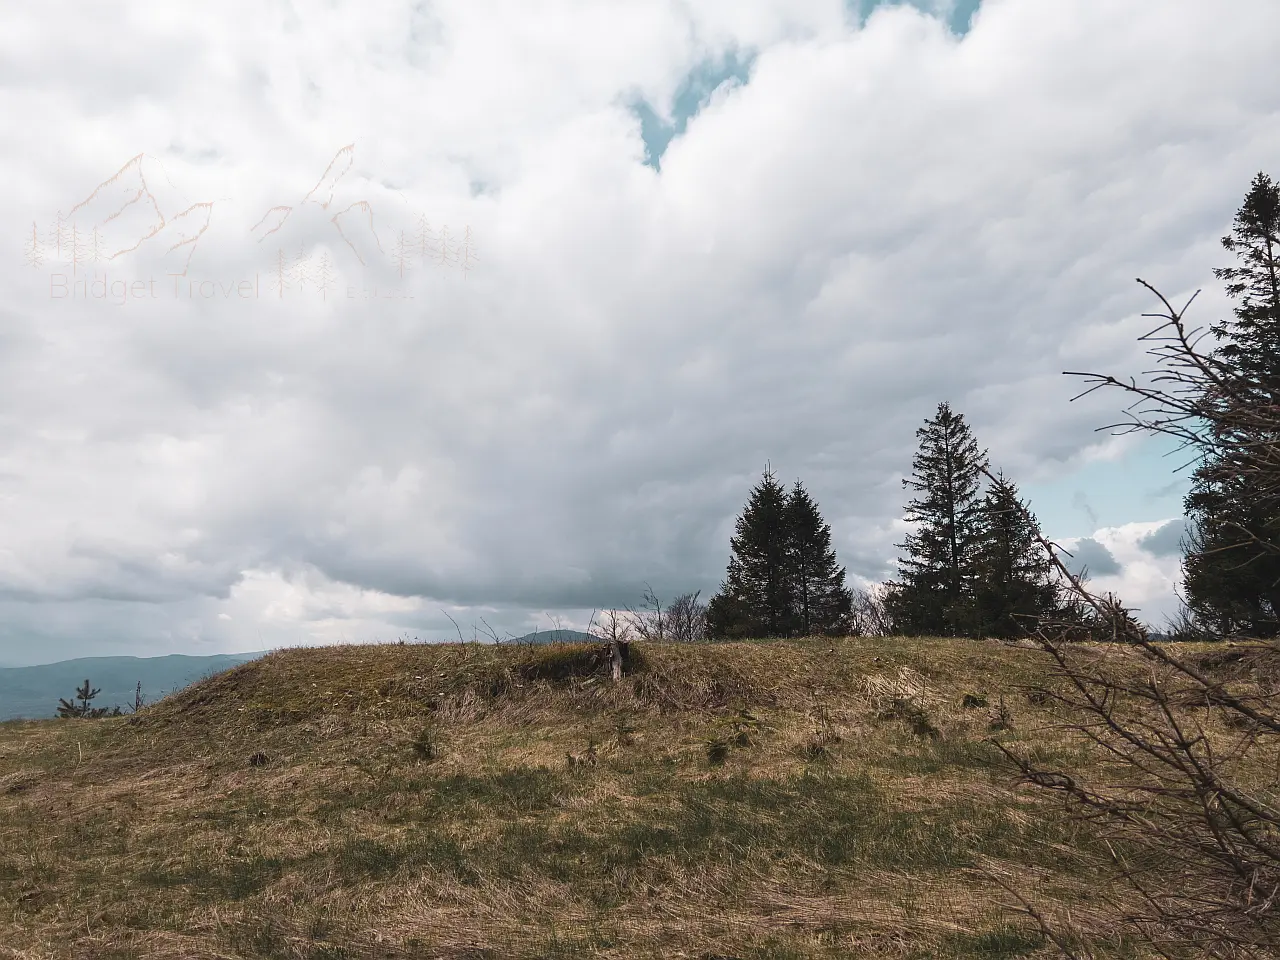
<point x="787" y="799"/>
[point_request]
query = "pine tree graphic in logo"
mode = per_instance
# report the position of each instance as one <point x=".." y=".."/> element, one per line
<point x="324" y="275"/>
<point x="94" y="248"/>
<point x="59" y="238"/>
<point x="281" y="273"/>
<point x="446" y="254"/>
<point x="402" y="258"/>
<point x="77" y="249"/>
<point x="425" y="242"/>
<point x="301" y="268"/>
<point x="466" y="253"/>
<point x="33" y="249"/>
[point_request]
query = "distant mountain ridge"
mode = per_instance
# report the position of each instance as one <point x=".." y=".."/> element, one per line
<point x="555" y="636"/>
<point x="32" y="693"/>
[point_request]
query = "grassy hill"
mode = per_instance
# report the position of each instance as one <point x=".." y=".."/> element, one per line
<point x="790" y="799"/>
<point x="33" y="692"/>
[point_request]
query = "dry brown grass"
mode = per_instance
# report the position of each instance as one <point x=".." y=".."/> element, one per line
<point x="778" y="800"/>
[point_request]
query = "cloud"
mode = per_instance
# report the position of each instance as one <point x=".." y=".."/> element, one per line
<point x="1121" y="565"/>
<point x="1089" y="554"/>
<point x="878" y="219"/>
<point x="1167" y="540"/>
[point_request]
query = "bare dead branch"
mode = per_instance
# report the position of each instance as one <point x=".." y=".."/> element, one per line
<point x="1189" y="814"/>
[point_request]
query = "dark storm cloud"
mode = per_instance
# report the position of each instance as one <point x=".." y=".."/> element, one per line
<point x="1167" y="541"/>
<point x="1095" y="557"/>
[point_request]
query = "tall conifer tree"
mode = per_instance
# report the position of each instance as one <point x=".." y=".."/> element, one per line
<point x="1227" y="578"/>
<point x="935" y="593"/>
<point x="755" y="597"/>
<point x="1254" y="335"/>
<point x="1013" y="578"/>
<point x="821" y="603"/>
<point x="1232" y="582"/>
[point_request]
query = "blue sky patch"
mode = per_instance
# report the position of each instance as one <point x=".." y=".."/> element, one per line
<point x="959" y="21"/>
<point x="1140" y="487"/>
<point x="694" y="93"/>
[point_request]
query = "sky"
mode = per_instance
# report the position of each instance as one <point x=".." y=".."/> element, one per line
<point x="338" y="323"/>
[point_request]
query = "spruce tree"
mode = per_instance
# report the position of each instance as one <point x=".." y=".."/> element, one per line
<point x="821" y="603"/>
<point x="81" y="709"/>
<point x="1013" y="579"/>
<point x="1232" y="582"/>
<point x="1254" y="336"/>
<point x="755" y="597"/>
<point x="935" y="593"/>
<point x="1226" y="583"/>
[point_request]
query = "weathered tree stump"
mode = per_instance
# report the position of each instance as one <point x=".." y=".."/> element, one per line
<point x="620" y="656"/>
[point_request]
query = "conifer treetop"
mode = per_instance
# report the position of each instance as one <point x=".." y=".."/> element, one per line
<point x="947" y="470"/>
<point x="1254" y="335"/>
<point x="1231" y="565"/>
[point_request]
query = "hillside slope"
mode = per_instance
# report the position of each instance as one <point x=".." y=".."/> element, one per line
<point x="789" y="799"/>
<point x="33" y="692"/>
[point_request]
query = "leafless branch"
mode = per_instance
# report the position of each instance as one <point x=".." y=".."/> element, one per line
<point x="1186" y="790"/>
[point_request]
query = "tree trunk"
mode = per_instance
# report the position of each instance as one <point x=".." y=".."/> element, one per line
<point x="618" y="652"/>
